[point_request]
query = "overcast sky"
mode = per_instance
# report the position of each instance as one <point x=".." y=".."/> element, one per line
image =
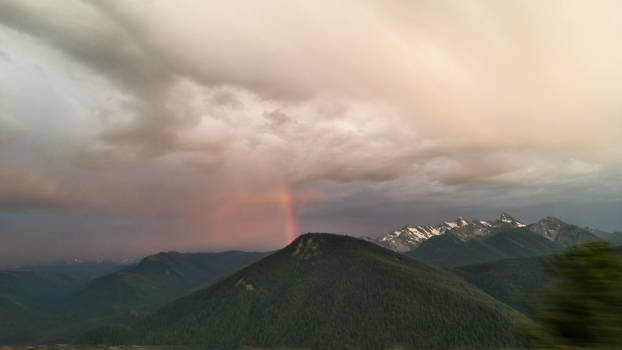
<point x="127" y="128"/>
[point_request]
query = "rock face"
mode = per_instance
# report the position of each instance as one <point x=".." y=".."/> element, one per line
<point x="549" y="227"/>
<point x="410" y="237"/>
<point x="560" y="232"/>
<point x="506" y="220"/>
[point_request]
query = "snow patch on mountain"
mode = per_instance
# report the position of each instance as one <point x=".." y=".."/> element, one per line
<point x="409" y="237"/>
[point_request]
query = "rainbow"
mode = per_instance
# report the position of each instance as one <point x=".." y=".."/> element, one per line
<point x="291" y="225"/>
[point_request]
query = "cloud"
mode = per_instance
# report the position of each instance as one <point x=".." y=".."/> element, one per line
<point x="6" y="132"/>
<point x="440" y="64"/>
<point x="160" y="109"/>
<point x="27" y="189"/>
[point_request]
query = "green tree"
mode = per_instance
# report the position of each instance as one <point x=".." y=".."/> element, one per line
<point x="583" y="306"/>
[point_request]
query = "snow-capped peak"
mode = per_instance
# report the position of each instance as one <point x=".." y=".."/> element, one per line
<point x="462" y="221"/>
<point x="411" y="236"/>
<point x="451" y="224"/>
<point x="507" y="219"/>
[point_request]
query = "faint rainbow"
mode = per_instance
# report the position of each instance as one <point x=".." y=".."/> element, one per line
<point x="291" y="224"/>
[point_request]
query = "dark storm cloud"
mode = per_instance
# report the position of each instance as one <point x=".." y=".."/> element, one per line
<point x="116" y="45"/>
<point x="355" y="116"/>
<point x="109" y="49"/>
<point x="121" y="42"/>
<point x="117" y="49"/>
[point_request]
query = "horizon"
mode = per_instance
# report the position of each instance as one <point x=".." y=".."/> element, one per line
<point x="131" y="128"/>
<point x="132" y="260"/>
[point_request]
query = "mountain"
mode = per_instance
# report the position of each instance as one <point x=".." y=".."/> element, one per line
<point x="615" y="238"/>
<point x="45" y="284"/>
<point x="120" y="296"/>
<point x="138" y="289"/>
<point x="469" y="242"/>
<point x="326" y="291"/>
<point x="29" y="296"/>
<point x="479" y="228"/>
<point x="409" y="237"/>
<point x="560" y="232"/>
<point x="507" y="221"/>
<point x="17" y="320"/>
<point x="598" y="233"/>
<point x="452" y="249"/>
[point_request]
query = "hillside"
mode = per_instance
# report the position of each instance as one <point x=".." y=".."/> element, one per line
<point x="516" y="282"/>
<point x="17" y="320"/>
<point x="29" y="297"/>
<point x="138" y="289"/>
<point x="452" y="250"/>
<point x="69" y="304"/>
<point x="512" y="281"/>
<point x="331" y="292"/>
<point x="43" y="285"/>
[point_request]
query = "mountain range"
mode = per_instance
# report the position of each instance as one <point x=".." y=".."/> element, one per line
<point x="463" y="284"/>
<point x="136" y="289"/>
<point x="30" y="296"/>
<point x="504" y="243"/>
<point x="410" y="237"/>
<point x="52" y="304"/>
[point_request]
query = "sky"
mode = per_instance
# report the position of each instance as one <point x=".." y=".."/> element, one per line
<point x="128" y="128"/>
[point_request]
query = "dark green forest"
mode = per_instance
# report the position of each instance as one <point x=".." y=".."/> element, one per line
<point x="323" y="291"/>
<point x="332" y="292"/>
<point x="56" y="304"/>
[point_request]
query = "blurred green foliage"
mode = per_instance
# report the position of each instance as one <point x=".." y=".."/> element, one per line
<point x="583" y="306"/>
